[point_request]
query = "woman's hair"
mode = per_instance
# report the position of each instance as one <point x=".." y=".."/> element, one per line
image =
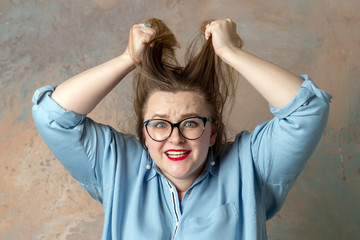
<point x="203" y="73"/>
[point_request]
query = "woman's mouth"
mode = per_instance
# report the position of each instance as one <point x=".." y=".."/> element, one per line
<point x="177" y="155"/>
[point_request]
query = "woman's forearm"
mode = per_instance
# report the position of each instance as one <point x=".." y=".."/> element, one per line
<point x="277" y="85"/>
<point x="84" y="91"/>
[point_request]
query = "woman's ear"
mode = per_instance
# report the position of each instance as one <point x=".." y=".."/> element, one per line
<point x="144" y="137"/>
<point x="214" y="128"/>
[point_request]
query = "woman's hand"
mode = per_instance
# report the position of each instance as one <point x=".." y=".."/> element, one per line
<point x="139" y="36"/>
<point x="277" y="85"/>
<point x="224" y="36"/>
<point x="84" y="91"/>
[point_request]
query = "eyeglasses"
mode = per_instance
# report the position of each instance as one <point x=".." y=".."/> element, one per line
<point x="190" y="128"/>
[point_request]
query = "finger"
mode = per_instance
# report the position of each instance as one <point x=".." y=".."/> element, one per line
<point x="141" y="25"/>
<point x="144" y="28"/>
<point x="146" y="38"/>
<point x="208" y="29"/>
<point x="148" y="31"/>
<point x="142" y="34"/>
<point x="208" y="32"/>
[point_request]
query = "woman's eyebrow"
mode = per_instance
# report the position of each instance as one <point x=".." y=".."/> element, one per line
<point x="187" y="115"/>
<point x="159" y="115"/>
<point x="182" y="116"/>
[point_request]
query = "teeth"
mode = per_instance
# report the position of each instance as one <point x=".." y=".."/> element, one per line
<point x="176" y="154"/>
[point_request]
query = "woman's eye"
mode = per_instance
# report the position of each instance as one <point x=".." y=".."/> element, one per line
<point x="159" y="124"/>
<point x="190" y="124"/>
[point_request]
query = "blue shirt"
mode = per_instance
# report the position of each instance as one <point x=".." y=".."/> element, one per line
<point x="230" y="200"/>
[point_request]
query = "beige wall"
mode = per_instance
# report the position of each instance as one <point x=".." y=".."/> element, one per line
<point x="46" y="43"/>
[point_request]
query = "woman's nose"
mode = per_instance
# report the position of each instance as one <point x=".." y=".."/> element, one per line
<point x="176" y="136"/>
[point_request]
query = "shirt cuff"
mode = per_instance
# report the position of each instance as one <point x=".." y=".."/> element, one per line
<point x="65" y="118"/>
<point x="307" y="92"/>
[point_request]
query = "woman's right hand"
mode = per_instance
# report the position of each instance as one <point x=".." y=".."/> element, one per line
<point x="139" y="36"/>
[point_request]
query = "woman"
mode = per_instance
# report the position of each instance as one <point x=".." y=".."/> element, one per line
<point x="179" y="179"/>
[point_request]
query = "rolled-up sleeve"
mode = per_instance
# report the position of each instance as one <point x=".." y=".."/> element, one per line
<point x="64" y="133"/>
<point x="282" y="145"/>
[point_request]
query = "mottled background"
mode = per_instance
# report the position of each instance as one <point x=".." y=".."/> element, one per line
<point x="46" y="42"/>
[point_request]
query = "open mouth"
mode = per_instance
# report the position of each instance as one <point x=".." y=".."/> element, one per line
<point x="177" y="155"/>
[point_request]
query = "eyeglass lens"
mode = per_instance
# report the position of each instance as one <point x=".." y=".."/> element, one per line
<point x="190" y="128"/>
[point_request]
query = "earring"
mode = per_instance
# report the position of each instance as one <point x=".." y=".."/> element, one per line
<point x="212" y="162"/>
<point x="148" y="161"/>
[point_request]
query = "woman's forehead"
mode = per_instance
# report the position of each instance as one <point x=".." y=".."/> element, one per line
<point x="175" y="105"/>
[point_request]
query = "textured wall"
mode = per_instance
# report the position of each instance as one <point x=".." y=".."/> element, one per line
<point x="46" y="43"/>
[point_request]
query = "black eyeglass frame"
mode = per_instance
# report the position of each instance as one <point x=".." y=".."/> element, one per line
<point x="177" y="125"/>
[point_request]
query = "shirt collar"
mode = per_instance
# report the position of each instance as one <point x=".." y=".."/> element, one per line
<point x="212" y="169"/>
<point x="151" y="173"/>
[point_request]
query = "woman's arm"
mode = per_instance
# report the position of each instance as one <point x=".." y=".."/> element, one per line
<point x="277" y="85"/>
<point x="84" y="147"/>
<point x="83" y="92"/>
<point x="279" y="147"/>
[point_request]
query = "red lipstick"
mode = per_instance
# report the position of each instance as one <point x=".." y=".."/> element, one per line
<point x="177" y="154"/>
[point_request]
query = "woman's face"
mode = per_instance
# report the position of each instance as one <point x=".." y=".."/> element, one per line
<point x="178" y="158"/>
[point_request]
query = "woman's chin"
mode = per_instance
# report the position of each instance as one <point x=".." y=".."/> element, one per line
<point x="181" y="173"/>
<point x="181" y="170"/>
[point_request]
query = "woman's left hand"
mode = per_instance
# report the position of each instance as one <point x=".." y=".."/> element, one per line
<point x="277" y="85"/>
<point x="223" y="35"/>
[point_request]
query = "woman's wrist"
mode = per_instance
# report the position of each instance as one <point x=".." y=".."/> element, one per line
<point x="229" y="55"/>
<point x="127" y="60"/>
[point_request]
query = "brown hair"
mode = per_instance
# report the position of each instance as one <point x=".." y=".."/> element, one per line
<point x="204" y="73"/>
